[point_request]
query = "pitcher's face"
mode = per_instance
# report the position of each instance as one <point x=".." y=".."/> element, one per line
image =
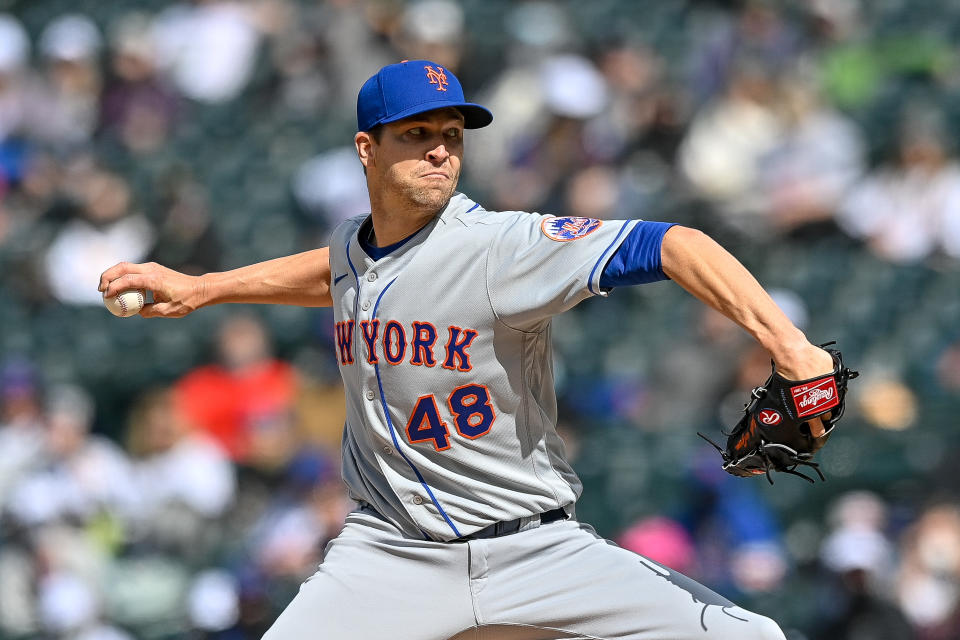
<point x="417" y="159"/>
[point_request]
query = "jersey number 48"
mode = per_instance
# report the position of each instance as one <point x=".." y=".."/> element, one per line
<point x="470" y="407"/>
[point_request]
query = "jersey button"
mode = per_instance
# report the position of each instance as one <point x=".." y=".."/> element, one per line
<point x="371" y="277"/>
<point x="365" y="305"/>
<point x="388" y="451"/>
<point x="370" y="395"/>
<point x="417" y="500"/>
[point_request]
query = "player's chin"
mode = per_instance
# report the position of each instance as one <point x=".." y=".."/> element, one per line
<point x="435" y="195"/>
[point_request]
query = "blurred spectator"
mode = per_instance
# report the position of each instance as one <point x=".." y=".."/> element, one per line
<point x="320" y="410"/>
<point x="66" y="508"/>
<point x="573" y="87"/>
<point x="108" y="231"/>
<point x="82" y="475"/>
<point x="213" y="601"/>
<point x="810" y="168"/>
<point x="331" y="187"/>
<point x="928" y="586"/>
<point x="594" y="192"/>
<point x="186" y="238"/>
<point x="517" y="94"/>
<point x="770" y="154"/>
<point x="735" y="532"/>
<point x="358" y="37"/>
<point x="538" y="28"/>
<point x="644" y="124"/>
<point x="948" y="368"/>
<point x="722" y="153"/>
<point x="910" y="209"/>
<point x="298" y="53"/>
<point x="432" y="30"/>
<point x="634" y="74"/>
<point x="244" y="402"/>
<point x="662" y="540"/>
<point x="64" y="112"/>
<point x="208" y="48"/>
<point x="184" y="480"/>
<point x="70" y="607"/>
<point x="147" y="593"/>
<point x="137" y="108"/>
<point x="547" y="148"/>
<point x="289" y="539"/>
<point x="757" y="32"/>
<point x="34" y="192"/>
<point x="858" y="552"/>
<point x="14" y="55"/>
<point x="21" y="423"/>
<point x="694" y="374"/>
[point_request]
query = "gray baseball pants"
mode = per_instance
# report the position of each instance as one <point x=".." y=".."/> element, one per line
<point x="560" y="580"/>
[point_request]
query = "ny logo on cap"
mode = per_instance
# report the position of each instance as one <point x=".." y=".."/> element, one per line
<point x="437" y="77"/>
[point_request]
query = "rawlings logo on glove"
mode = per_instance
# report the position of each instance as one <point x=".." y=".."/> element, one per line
<point x="811" y="399"/>
<point x="769" y="416"/>
<point x="773" y="434"/>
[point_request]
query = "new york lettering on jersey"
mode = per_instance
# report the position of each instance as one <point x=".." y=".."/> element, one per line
<point x="393" y="343"/>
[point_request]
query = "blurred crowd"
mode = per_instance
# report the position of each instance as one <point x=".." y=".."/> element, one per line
<point x="202" y="517"/>
<point x="180" y="480"/>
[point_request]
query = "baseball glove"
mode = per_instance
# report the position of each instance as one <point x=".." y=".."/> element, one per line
<point x="773" y="434"/>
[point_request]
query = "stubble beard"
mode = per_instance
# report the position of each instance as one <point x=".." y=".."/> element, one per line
<point x="431" y="198"/>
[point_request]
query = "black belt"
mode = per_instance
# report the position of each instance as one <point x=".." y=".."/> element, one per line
<point x="506" y="527"/>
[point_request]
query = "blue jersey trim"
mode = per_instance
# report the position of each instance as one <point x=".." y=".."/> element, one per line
<point x="356" y="293"/>
<point x="473" y="207"/>
<point x="638" y="258"/>
<point x="393" y="431"/>
<point x="600" y="259"/>
<point x="380" y="252"/>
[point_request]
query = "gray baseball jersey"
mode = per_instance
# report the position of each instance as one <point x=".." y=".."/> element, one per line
<point x="444" y="348"/>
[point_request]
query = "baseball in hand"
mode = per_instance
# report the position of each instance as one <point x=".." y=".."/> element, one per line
<point x="126" y="303"/>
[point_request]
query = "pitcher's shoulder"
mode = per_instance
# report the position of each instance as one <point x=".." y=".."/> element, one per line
<point x="473" y="214"/>
<point x="344" y="231"/>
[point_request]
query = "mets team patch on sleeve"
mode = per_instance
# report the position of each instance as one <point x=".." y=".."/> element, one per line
<point x="568" y="228"/>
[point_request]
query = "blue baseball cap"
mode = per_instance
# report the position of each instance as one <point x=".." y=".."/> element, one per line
<point x="410" y="87"/>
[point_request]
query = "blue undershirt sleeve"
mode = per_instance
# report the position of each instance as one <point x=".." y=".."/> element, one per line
<point x="637" y="259"/>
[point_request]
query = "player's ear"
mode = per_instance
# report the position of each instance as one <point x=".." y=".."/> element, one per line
<point x="364" y="142"/>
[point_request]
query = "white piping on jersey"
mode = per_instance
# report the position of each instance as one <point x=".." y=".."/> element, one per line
<point x="604" y="254"/>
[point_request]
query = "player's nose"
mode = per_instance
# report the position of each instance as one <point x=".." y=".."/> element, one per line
<point x="438" y="154"/>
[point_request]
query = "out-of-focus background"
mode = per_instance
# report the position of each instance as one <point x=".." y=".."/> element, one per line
<point x="178" y="479"/>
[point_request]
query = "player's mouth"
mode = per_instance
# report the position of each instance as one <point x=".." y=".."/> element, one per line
<point x="436" y="175"/>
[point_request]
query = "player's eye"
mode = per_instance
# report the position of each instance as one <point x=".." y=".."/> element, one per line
<point x="453" y="133"/>
<point x="416" y="131"/>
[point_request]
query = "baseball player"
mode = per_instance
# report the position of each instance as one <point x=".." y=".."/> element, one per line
<point x="466" y="522"/>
